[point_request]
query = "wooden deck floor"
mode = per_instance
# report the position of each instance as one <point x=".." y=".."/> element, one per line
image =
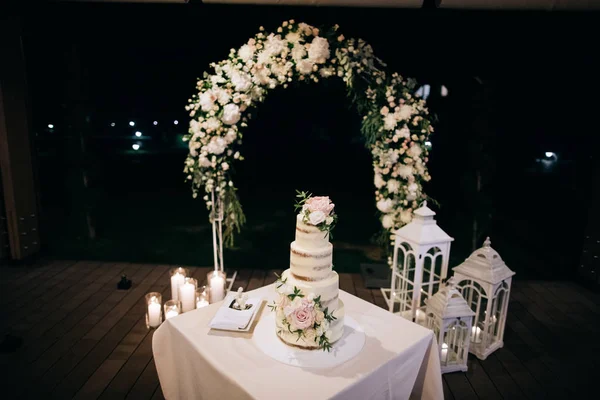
<point x="84" y="339"/>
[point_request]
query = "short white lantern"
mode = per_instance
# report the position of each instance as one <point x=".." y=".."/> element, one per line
<point x="451" y="319"/>
<point x="420" y="264"/>
<point x="484" y="281"/>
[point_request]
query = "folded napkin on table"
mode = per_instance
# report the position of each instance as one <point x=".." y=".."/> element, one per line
<point x="232" y="319"/>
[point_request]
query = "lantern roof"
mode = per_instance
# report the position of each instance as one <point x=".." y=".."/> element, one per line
<point x="423" y="229"/>
<point x="485" y="264"/>
<point x="449" y="303"/>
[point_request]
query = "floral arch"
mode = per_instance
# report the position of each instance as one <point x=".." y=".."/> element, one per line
<point x="395" y="123"/>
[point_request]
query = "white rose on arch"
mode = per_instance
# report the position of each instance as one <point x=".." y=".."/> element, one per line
<point x="379" y="182"/>
<point x="319" y="50"/>
<point x="246" y="52"/>
<point x="305" y="66"/>
<point x="385" y="206"/>
<point x="231" y="114"/>
<point x="387" y="221"/>
<point x="241" y="81"/>
<point x="207" y="100"/>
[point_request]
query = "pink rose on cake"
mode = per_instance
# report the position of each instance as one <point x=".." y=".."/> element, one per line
<point x="303" y="318"/>
<point x="320" y="203"/>
<point x="301" y="313"/>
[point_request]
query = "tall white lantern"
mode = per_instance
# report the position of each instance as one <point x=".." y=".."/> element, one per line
<point x="420" y="264"/>
<point x="484" y="281"/>
<point x="451" y="319"/>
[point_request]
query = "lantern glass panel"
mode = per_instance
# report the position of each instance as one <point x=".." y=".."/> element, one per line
<point x="454" y="343"/>
<point x="474" y="294"/>
<point x="432" y="273"/>
<point x="498" y="307"/>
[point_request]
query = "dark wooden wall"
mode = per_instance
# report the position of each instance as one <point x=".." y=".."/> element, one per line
<point x="18" y="177"/>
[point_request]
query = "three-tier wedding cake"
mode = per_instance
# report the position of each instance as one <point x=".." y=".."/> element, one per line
<point x="309" y="313"/>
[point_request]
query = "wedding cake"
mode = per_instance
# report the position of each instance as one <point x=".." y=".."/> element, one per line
<point x="309" y="313"/>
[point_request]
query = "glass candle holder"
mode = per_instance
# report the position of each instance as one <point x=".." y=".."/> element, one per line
<point x="153" y="310"/>
<point x="201" y="297"/>
<point x="172" y="308"/>
<point x="187" y="294"/>
<point x="217" y="285"/>
<point x="177" y="277"/>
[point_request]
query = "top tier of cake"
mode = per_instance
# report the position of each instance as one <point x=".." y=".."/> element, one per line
<point x="309" y="237"/>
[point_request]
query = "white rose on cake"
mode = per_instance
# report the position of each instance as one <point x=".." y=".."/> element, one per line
<point x="329" y="220"/>
<point x="231" y="114"/>
<point x="316" y="217"/>
<point x="310" y="335"/>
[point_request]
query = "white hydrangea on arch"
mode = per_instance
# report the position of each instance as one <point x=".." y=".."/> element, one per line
<point x="395" y="123"/>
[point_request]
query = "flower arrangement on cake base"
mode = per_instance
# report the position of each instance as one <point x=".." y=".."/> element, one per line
<point x="302" y="315"/>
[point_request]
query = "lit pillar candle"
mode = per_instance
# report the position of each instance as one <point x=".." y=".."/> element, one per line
<point x="187" y="294"/>
<point x="177" y="277"/>
<point x="216" y="281"/>
<point x="201" y="303"/>
<point x="171" y="309"/>
<point x="420" y="315"/>
<point x="444" y="352"/>
<point x="154" y="314"/>
<point x="476" y="334"/>
<point x="201" y="297"/>
<point x="153" y="309"/>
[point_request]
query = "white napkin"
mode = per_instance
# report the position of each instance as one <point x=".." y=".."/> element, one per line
<point x="231" y="319"/>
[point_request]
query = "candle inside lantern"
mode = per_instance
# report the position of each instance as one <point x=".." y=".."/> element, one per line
<point x="187" y="294"/>
<point x="420" y="315"/>
<point x="216" y="281"/>
<point x="177" y="278"/>
<point x="476" y="334"/>
<point x="154" y="310"/>
<point x="172" y="308"/>
<point x="444" y="352"/>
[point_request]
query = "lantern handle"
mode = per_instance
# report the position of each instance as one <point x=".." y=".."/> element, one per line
<point x="487" y="243"/>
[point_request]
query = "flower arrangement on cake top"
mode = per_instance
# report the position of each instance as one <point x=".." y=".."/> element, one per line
<point x="316" y="211"/>
<point x="303" y="315"/>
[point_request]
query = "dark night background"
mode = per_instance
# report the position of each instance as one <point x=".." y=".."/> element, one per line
<point x="519" y="84"/>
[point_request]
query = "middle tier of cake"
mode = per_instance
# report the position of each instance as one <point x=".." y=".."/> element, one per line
<point x="311" y="264"/>
<point x="328" y="289"/>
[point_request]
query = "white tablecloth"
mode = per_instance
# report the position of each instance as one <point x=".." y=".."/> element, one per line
<point x="398" y="361"/>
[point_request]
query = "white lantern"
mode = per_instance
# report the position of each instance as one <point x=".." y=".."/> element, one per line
<point x="420" y="264"/>
<point x="484" y="281"/>
<point x="450" y="318"/>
